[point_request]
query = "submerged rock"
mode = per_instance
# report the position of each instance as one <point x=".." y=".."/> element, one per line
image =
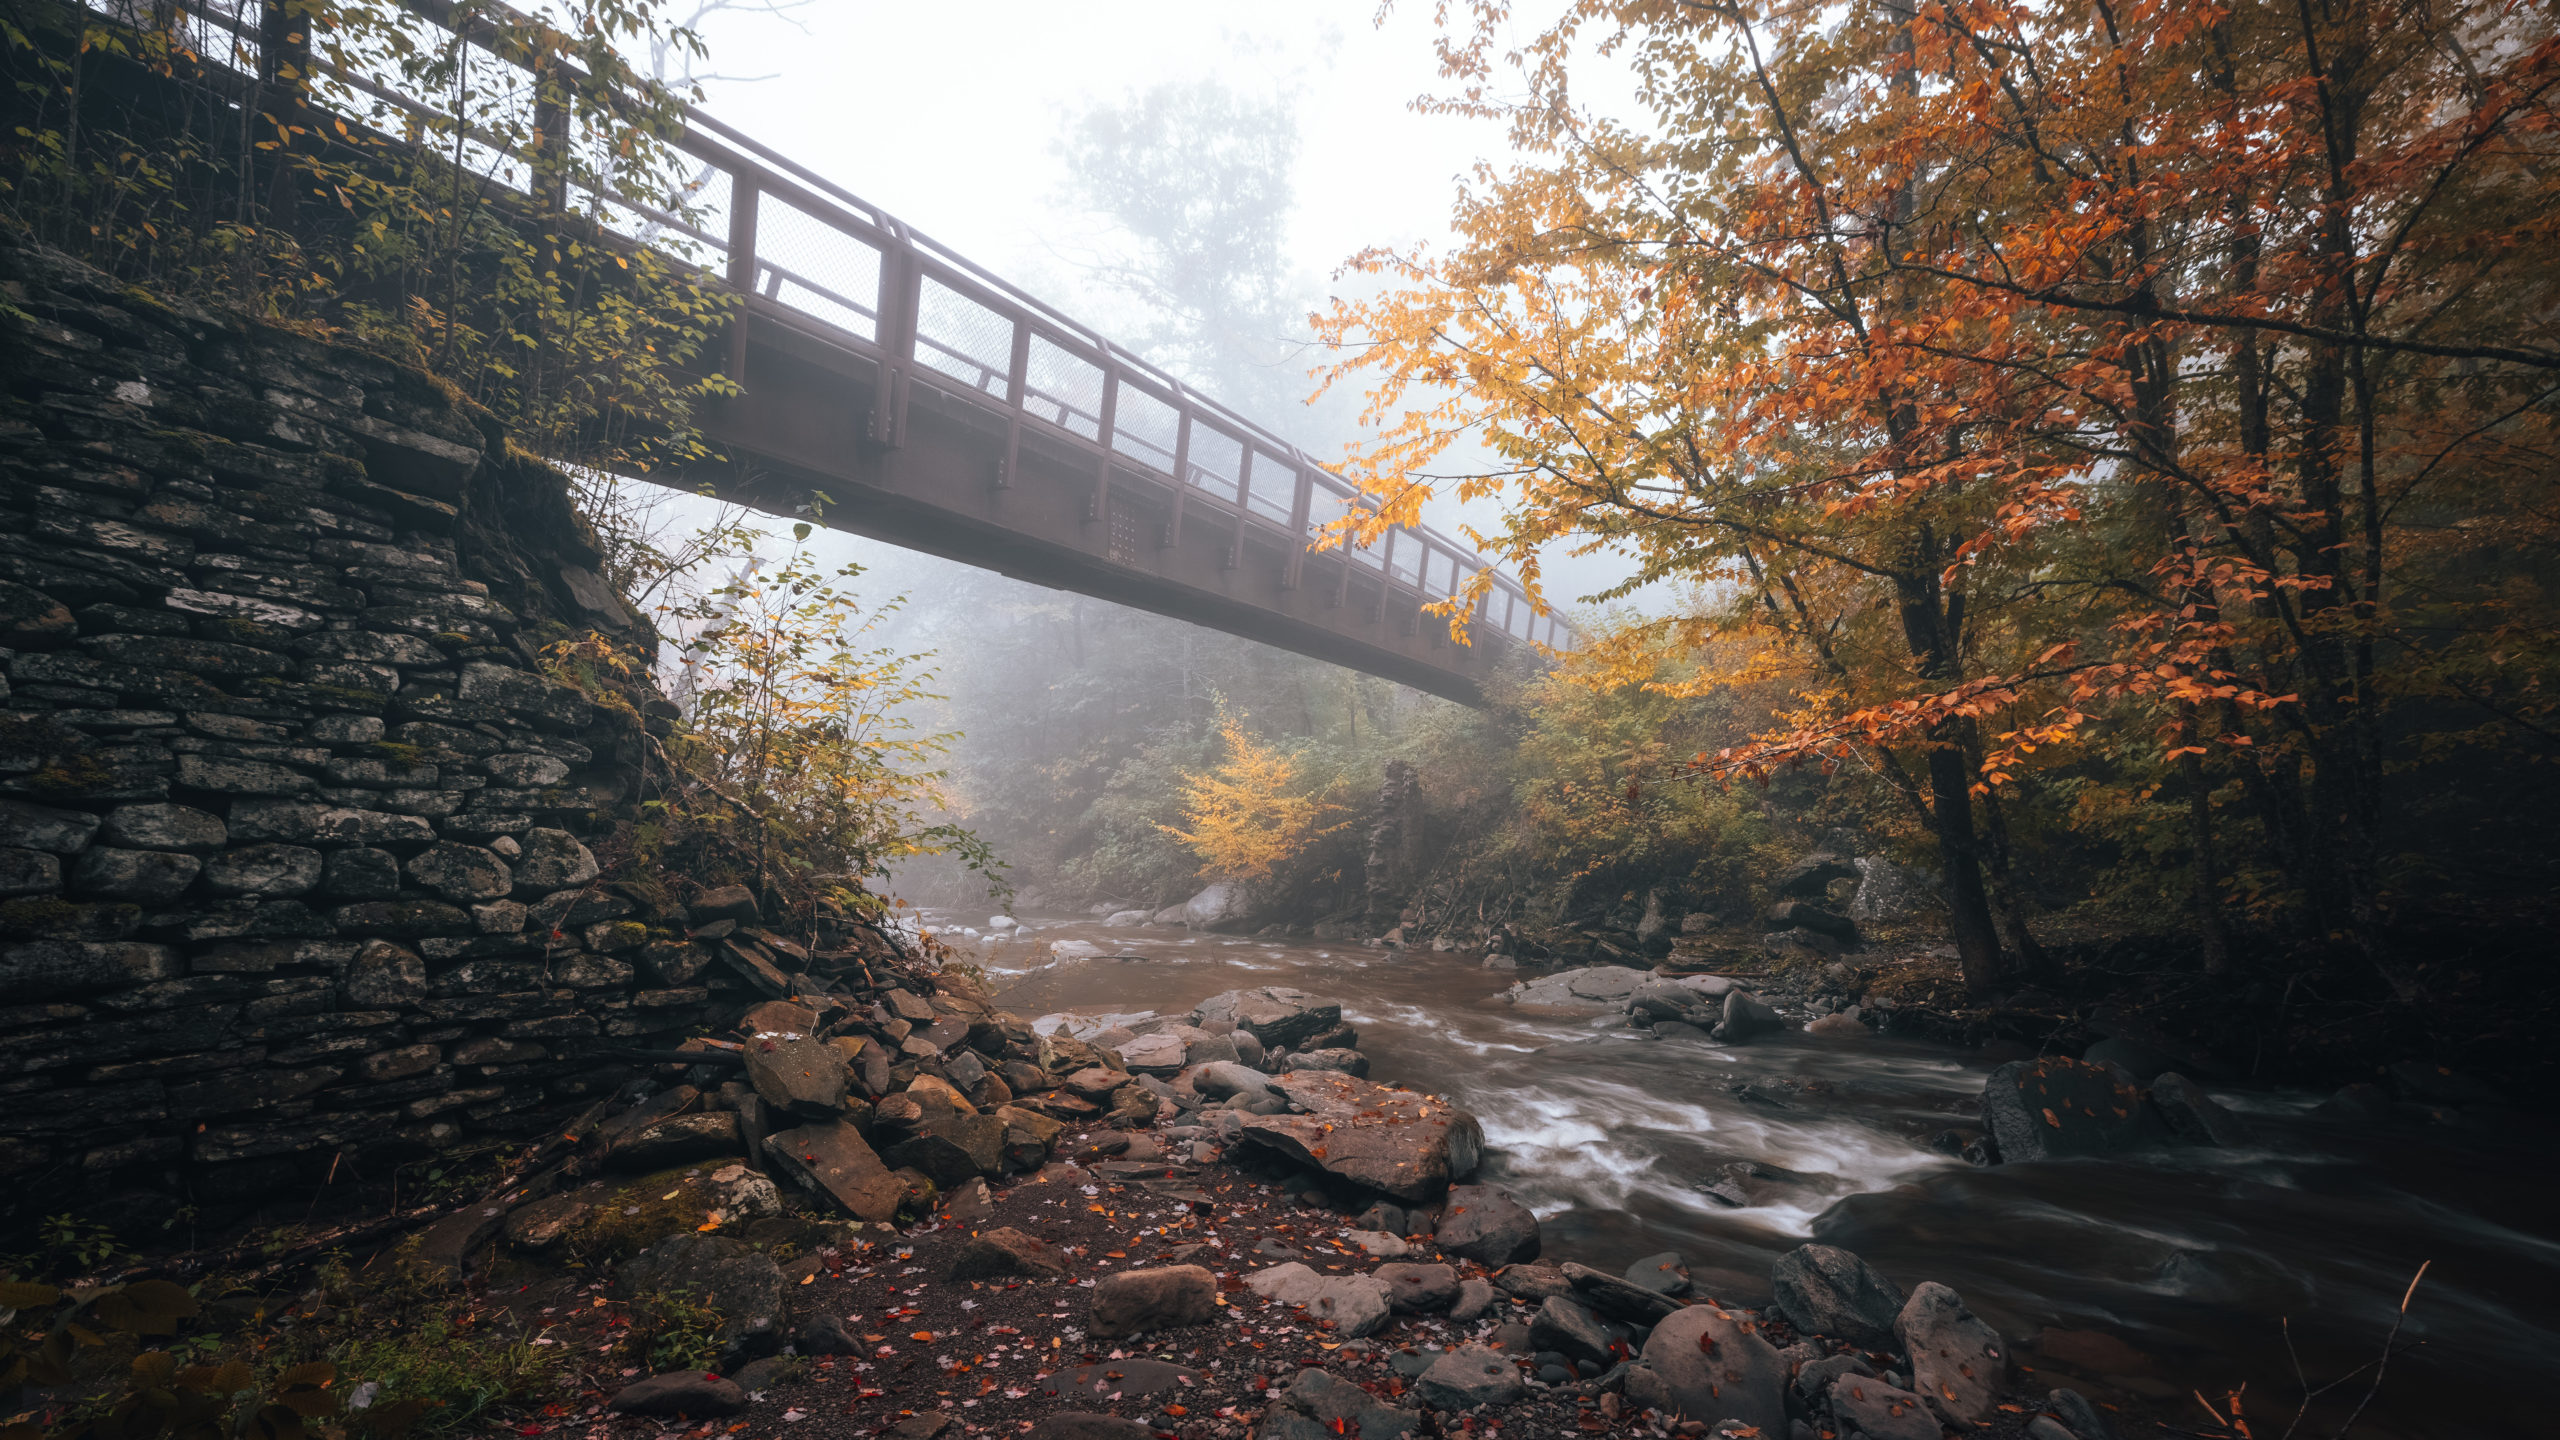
<point x="2050" y="1107"/>
<point x="2194" y="1116"/>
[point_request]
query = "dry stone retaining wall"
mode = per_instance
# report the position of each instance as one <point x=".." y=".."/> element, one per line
<point x="295" y="836"/>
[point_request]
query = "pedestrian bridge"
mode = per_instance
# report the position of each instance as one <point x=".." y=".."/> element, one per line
<point x="892" y="388"/>
<point x="936" y="407"/>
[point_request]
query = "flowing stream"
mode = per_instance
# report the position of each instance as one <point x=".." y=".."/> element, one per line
<point x="2137" y="1278"/>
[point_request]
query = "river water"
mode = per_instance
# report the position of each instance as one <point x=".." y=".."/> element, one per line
<point x="2136" y="1278"/>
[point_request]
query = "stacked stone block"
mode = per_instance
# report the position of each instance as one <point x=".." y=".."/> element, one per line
<point x="294" y="831"/>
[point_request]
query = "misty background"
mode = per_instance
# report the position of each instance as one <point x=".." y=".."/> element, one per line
<point x="1187" y="180"/>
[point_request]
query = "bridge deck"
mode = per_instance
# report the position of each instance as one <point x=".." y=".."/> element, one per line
<point x="895" y="389"/>
<point x="938" y="408"/>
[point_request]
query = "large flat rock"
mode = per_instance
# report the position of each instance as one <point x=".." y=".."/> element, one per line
<point x="834" y="1161"/>
<point x="1410" y="1145"/>
<point x="1281" y="1017"/>
<point x="1592" y="987"/>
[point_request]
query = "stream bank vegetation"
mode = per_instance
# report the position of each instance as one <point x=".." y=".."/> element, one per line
<point x="2125" y="438"/>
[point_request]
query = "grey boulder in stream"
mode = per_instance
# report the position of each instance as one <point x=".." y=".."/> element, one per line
<point x="1280" y="1016"/>
<point x="1825" y="1290"/>
<point x="1409" y="1145"/>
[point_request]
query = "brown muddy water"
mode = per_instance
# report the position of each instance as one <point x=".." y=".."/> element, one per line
<point x="2149" y="1274"/>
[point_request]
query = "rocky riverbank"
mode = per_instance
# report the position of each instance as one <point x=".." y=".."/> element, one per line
<point x="920" y="1213"/>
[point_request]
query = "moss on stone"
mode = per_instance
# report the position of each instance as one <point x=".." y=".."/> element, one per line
<point x="628" y="1216"/>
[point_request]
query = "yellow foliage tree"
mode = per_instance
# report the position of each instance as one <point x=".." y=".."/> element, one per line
<point x="1248" y="817"/>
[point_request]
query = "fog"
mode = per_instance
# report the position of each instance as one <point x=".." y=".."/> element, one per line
<point x="951" y="118"/>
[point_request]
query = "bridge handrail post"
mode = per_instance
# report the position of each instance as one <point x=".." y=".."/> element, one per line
<point x="1017" y="394"/>
<point x="1181" y="469"/>
<point x="901" y="297"/>
<point x="1234" y="556"/>
<point x="1105" y="427"/>
<point x="743" y="195"/>
<point x="1299" y="503"/>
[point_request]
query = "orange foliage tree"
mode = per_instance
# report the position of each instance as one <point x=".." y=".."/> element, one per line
<point x="2182" y="367"/>
<point x="1248" y="817"/>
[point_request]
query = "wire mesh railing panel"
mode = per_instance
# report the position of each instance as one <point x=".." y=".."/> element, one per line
<point x="1404" y="560"/>
<point x="817" y="269"/>
<point x="1064" y="389"/>
<point x="1216" y="456"/>
<point x="1145" y="428"/>
<point x="962" y="338"/>
<point x="691" y="224"/>
<point x="1274" y="493"/>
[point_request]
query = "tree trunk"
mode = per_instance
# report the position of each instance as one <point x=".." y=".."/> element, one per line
<point x="1959" y="857"/>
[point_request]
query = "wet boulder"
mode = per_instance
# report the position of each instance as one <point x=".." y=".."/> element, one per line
<point x="1355" y="1305"/>
<point x="1158" y="1054"/>
<point x="1223" y="906"/>
<point x="801" y="1077"/>
<point x="1405" y="1144"/>
<point x="1591" y="987"/>
<point x="1746" y="1015"/>
<point x="2194" y="1116"/>
<point x="2051" y="1107"/>
<point x="1223" y="1080"/>
<point x="1863" y="1406"/>
<point x="1322" y="1406"/>
<point x="1476" y="1297"/>
<point x="1958" y="1363"/>
<point x="1569" y="1328"/>
<point x="1825" y="1290"/>
<point x="1810" y="878"/>
<point x="1666" y="1273"/>
<point x="1007" y="1251"/>
<point x="1713" y="1365"/>
<point x="1805" y="915"/>
<point x="1280" y="1016"/>
<point x="1531" y="1284"/>
<point x="1672" y="1000"/>
<point x="1134" y="1302"/>
<point x="832" y="1161"/>
<point x="1467" y="1377"/>
<point x="1349" y="1062"/>
<point x="1486" y="1225"/>
<point x="1418" y="1289"/>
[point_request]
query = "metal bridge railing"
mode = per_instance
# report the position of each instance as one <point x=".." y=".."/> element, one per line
<point x="799" y="243"/>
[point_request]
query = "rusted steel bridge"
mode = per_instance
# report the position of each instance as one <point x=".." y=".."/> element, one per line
<point x="892" y="388"/>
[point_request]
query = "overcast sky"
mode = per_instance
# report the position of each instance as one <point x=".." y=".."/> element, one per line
<point x="944" y="114"/>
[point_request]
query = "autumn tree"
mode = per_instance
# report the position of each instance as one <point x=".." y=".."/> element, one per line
<point x="803" y="730"/>
<point x="1248" y="817"/>
<point x="2037" y="376"/>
